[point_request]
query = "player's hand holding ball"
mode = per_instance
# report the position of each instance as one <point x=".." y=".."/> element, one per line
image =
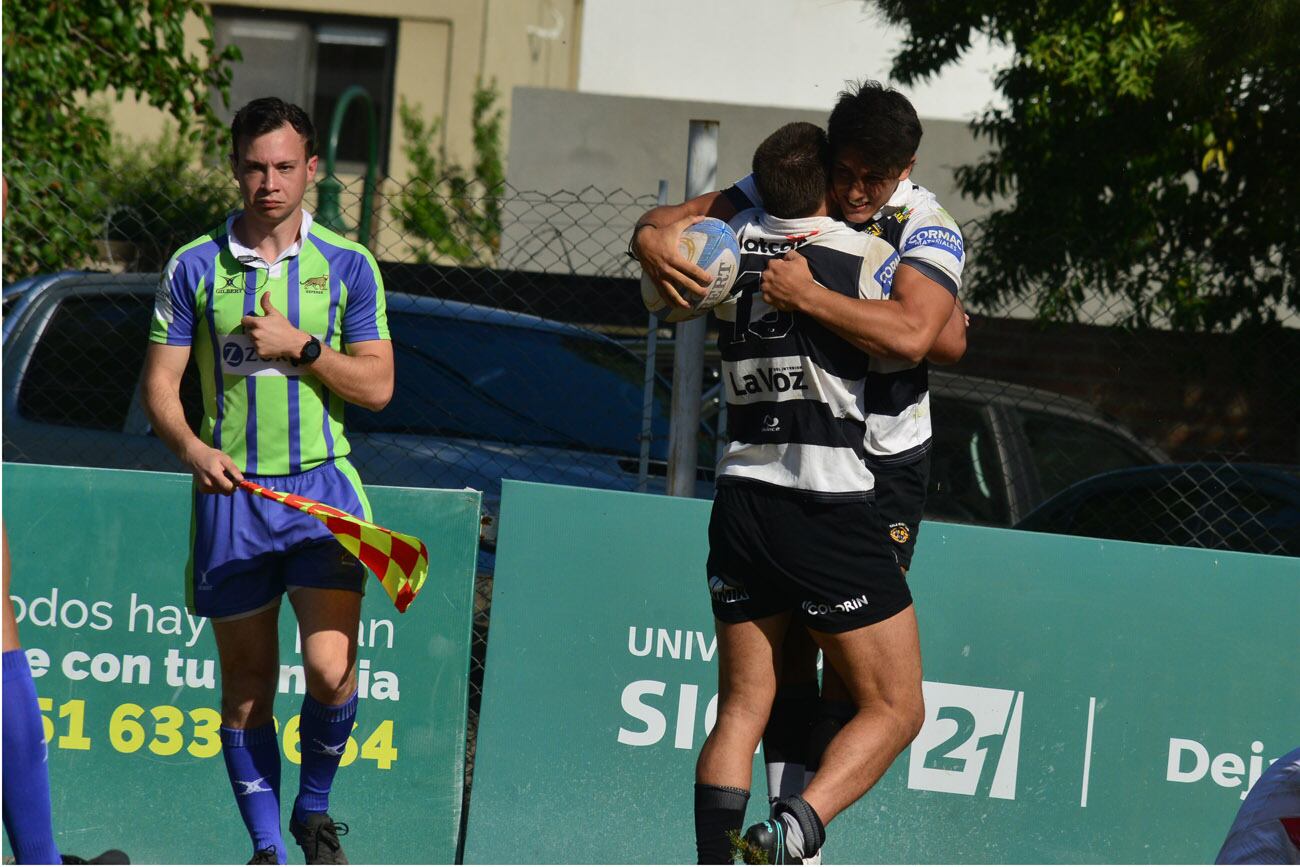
<point x="676" y="279"/>
<point x="707" y="246"/>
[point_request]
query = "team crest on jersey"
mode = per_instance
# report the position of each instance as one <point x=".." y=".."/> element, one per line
<point x="899" y="533"/>
<point x="316" y="285"/>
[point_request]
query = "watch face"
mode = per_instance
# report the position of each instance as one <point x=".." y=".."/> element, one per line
<point x="311" y="351"/>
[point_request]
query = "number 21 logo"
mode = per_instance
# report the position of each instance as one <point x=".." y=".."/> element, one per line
<point x="970" y="743"/>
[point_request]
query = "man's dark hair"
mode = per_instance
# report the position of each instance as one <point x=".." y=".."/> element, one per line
<point x="267" y="115"/>
<point x="876" y="122"/>
<point x="790" y="170"/>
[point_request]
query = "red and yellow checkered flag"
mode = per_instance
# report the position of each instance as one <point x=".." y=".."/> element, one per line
<point x="399" y="561"/>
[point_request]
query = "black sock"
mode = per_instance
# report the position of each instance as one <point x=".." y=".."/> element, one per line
<point x="786" y="738"/>
<point x="831" y="717"/>
<point x="810" y="824"/>
<point x="718" y="809"/>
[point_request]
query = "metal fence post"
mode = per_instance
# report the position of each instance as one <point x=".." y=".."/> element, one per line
<point x="688" y="349"/>
<point x="648" y="398"/>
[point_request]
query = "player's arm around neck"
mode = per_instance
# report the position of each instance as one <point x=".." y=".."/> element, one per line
<point x="904" y="327"/>
<point x="214" y="471"/>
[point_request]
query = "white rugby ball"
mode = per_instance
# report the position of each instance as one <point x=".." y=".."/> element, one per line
<point x="712" y="245"/>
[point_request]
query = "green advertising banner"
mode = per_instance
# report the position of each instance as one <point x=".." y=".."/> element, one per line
<point x="1086" y="700"/>
<point x="128" y="681"/>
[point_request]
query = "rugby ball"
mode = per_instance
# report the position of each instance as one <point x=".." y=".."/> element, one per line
<point x="713" y="246"/>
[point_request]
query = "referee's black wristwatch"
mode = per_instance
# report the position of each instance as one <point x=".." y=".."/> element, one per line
<point x="310" y="352"/>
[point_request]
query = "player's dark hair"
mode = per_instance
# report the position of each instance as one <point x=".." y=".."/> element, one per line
<point x="876" y="122"/>
<point x="790" y="170"/>
<point x="267" y="115"/>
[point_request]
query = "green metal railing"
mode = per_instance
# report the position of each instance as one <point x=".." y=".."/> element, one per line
<point x="330" y="188"/>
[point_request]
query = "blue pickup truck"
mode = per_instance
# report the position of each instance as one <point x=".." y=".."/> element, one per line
<point x="482" y="394"/>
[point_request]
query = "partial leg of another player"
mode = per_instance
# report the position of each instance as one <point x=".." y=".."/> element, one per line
<point x="328" y="620"/>
<point x="794" y="711"/>
<point x="27" y="817"/>
<point x="881" y="668"/>
<point x="26" y="796"/>
<point x="249" y="649"/>
<point x="748" y="661"/>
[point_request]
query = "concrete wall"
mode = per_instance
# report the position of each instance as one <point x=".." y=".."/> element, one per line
<point x="564" y="140"/>
<point x="620" y="147"/>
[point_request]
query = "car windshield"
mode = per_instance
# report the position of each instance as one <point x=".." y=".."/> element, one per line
<point x="524" y="386"/>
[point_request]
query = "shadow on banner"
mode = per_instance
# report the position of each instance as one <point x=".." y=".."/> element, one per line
<point x="1086" y="700"/>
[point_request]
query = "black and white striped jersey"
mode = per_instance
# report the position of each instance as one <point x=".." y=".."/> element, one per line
<point x="796" y="391"/>
<point x="898" y="392"/>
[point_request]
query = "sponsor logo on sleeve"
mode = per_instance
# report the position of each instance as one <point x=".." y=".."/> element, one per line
<point x="885" y="274"/>
<point x="938" y="238"/>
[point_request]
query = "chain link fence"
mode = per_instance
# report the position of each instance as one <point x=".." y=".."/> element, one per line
<point x="521" y="343"/>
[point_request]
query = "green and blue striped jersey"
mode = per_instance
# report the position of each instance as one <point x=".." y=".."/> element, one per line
<point x="270" y="416"/>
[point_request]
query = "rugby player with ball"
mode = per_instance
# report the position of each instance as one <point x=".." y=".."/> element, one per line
<point x="794" y="535"/>
<point x="874" y="133"/>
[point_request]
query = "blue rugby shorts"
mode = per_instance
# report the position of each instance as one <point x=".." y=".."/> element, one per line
<point x="247" y="550"/>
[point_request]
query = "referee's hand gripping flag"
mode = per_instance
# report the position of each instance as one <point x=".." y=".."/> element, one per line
<point x="399" y="561"/>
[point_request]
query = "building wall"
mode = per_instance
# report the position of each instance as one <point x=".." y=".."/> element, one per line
<point x="443" y="46"/>
<point x="569" y="141"/>
<point x="795" y="53"/>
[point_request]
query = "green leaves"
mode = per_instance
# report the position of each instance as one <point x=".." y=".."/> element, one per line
<point x="446" y="214"/>
<point x="1146" y="147"/>
<point x="58" y="57"/>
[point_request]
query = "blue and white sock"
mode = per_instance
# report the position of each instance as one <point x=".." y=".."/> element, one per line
<point x="253" y="763"/>
<point x="26" y="793"/>
<point x="324" y="730"/>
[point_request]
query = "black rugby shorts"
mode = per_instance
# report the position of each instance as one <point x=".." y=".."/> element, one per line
<point x="773" y="550"/>
<point x="900" y="499"/>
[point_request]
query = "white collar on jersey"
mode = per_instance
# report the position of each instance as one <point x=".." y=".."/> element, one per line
<point x="250" y="257"/>
<point x="799" y="225"/>
<point x="897" y="201"/>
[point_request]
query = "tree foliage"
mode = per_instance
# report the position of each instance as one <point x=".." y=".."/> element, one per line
<point x="1145" y="153"/>
<point x="57" y="58"/>
<point x="445" y="211"/>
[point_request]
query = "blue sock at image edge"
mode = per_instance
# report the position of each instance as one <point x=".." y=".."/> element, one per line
<point x="26" y="794"/>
